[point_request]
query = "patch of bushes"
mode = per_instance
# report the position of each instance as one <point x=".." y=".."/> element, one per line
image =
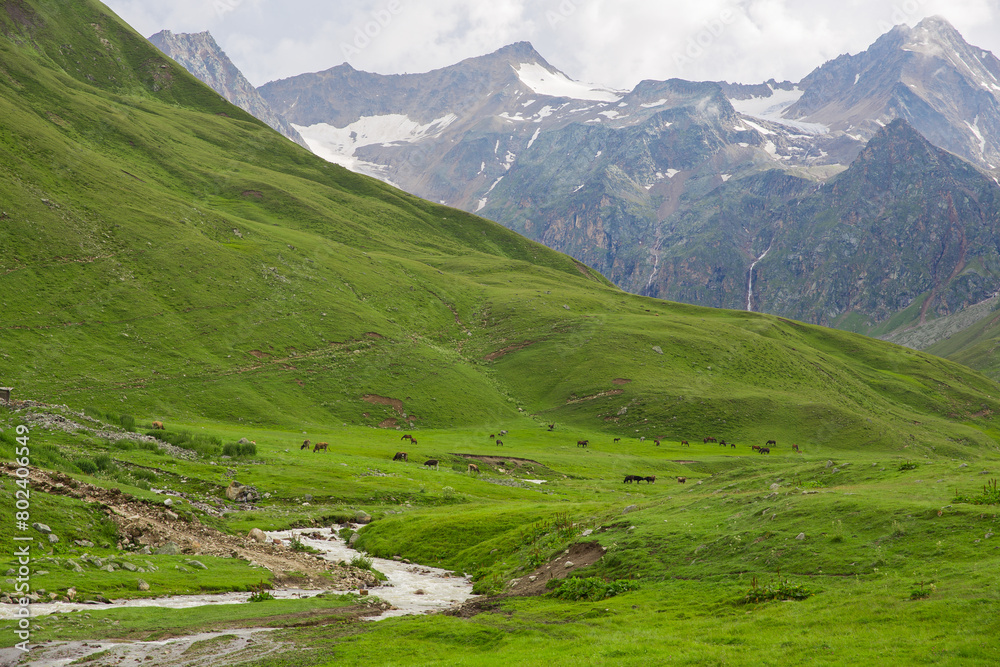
<point x="989" y="496"/>
<point x="237" y="451"/>
<point x="86" y="466"/>
<point x="909" y="465"/>
<point x="591" y="588"/>
<point x="782" y="590"/>
<point x="204" y="445"/>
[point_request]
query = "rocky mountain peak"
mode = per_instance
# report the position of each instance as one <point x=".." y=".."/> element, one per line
<point x="201" y="55"/>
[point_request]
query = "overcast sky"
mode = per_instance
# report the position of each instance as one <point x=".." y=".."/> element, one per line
<point x="612" y="42"/>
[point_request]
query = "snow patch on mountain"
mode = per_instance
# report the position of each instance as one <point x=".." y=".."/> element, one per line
<point x="326" y="140"/>
<point x="772" y="107"/>
<point x="556" y="84"/>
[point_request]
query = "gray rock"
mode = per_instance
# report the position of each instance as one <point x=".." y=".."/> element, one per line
<point x="243" y="441"/>
<point x="657" y="349"/>
<point x="129" y="566"/>
<point x="169" y="502"/>
<point x="630" y="508"/>
<point x="829" y="464"/>
<point x="197" y="563"/>
<point x="41" y="528"/>
<point x="141" y="585"/>
<point x="181" y="568"/>
<point x="362" y="517"/>
<point x="168" y="549"/>
<point x="53" y="539"/>
<point x="86" y="544"/>
<point x="800" y="536"/>
<point x="257" y="535"/>
<point x="354" y="538"/>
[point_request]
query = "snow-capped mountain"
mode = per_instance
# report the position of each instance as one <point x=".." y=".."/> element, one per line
<point x="199" y="54"/>
<point x="712" y="193"/>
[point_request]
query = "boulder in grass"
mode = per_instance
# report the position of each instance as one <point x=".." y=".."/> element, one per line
<point x="169" y="549"/>
<point x="141" y="585"/>
<point x="257" y="535"/>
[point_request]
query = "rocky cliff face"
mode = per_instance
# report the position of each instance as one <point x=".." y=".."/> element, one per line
<point x="199" y="54"/>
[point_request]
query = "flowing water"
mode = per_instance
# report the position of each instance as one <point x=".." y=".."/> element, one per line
<point x="411" y="589"/>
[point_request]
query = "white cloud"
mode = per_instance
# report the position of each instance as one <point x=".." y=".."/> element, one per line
<point x="612" y="42"/>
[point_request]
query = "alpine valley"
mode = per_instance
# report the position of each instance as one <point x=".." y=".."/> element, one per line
<point x="712" y="193"/>
<point x="260" y="409"/>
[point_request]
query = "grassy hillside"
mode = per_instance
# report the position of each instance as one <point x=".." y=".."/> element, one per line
<point x="165" y="257"/>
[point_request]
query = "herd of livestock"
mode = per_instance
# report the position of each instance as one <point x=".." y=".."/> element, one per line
<point x="649" y="479"/>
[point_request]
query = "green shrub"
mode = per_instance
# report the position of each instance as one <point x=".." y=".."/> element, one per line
<point x="86" y="466"/>
<point x="591" y="588"/>
<point x="236" y="450"/>
<point x="104" y="462"/>
<point x="783" y="590"/>
<point x="989" y="496"/>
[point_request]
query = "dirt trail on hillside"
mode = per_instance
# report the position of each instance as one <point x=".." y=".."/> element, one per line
<point x="143" y="523"/>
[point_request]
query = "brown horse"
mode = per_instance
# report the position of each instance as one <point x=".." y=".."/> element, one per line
<point x="733" y="445"/>
<point x="709" y="439"/>
<point x="685" y="442"/>
<point x="617" y="440"/>
<point x="764" y="450"/>
<point x="796" y="448"/>
<point x="159" y="425"/>
<point x="499" y="442"/>
<point x="756" y="448"/>
<point x="770" y="442"/>
<point x="681" y="480"/>
<point x="722" y="443"/>
<point x="650" y="478"/>
<point x="400" y="456"/>
<point x="432" y="463"/>
<point x="656" y="441"/>
<point x="320" y="445"/>
<point x="407" y="436"/>
<point x="474" y="468"/>
<point x="632" y="478"/>
<point x="582" y="443"/>
<point x="305" y="445"/>
<point x="552" y="427"/>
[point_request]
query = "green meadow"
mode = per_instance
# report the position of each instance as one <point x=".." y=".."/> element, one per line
<point x="165" y="257"/>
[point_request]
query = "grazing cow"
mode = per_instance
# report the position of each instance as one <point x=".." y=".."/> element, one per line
<point x="765" y="450"/>
<point x="681" y="480"/>
<point x="656" y="441"/>
<point x="770" y="442"/>
<point x="650" y="478"/>
<point x="552" y="427"/>
<point x="617" y="440"/>
<point x="582" y="443"/>
<point x="432" y="463"/>
<point x="400" y="456"/>
<point x="407" y="436"/>
<point x="631" y="478"/>
<point x="796" y="448"/>
<point x="474" y="468"/>
<point x="709" y="439"/>
<point x="685" y="442"/>
<point x="503" y="432"/>
<point x="159" y="425"/>
<point x="320" y="445"/>
<point x="499" y="442"/>
<point x="305" y="445"/>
